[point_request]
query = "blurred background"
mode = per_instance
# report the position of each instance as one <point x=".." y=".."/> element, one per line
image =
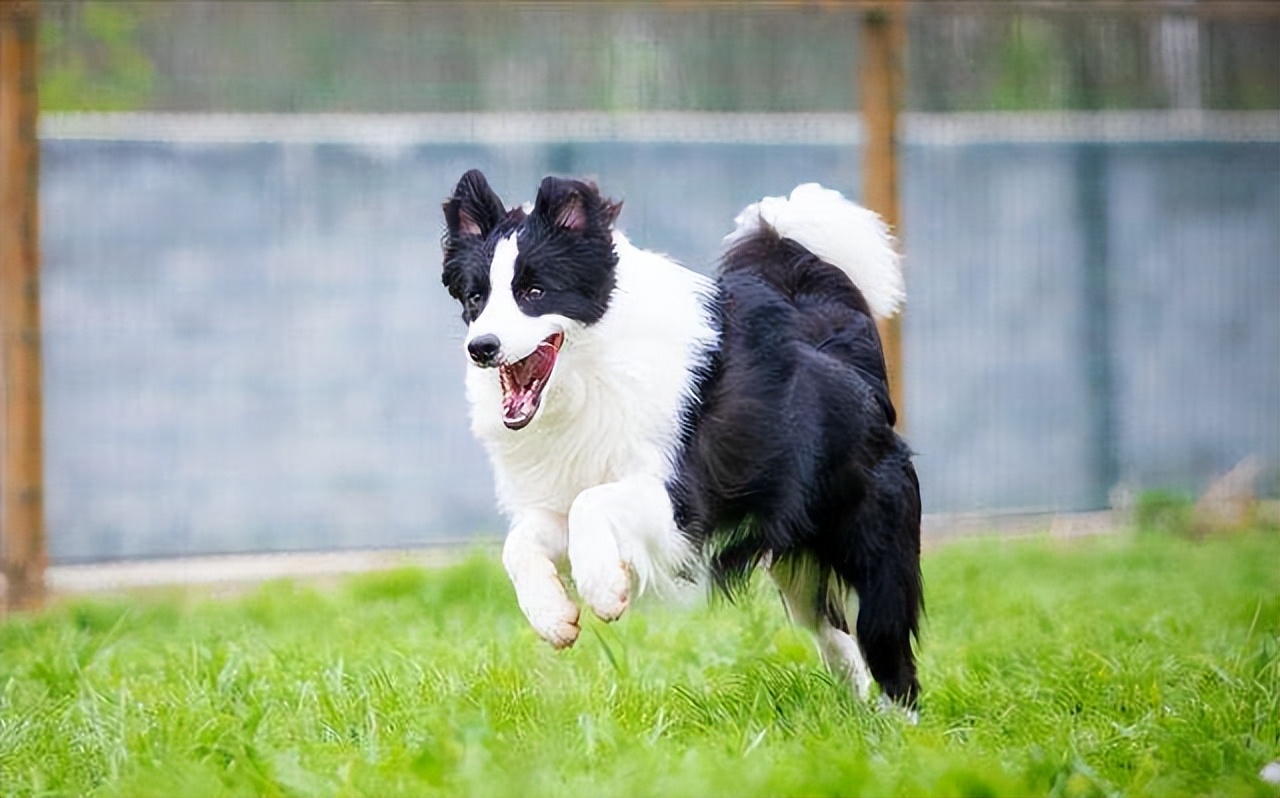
<point x="247" y="347"/>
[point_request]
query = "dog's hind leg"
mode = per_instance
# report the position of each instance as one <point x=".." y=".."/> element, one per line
<point x="622" y="531"/>
<point x="816" y="600"/>
<point x="887" y="614"/>
<point x="888" y="585"/>
<point x="536" y="541"/>
<point x="885" y="572"/>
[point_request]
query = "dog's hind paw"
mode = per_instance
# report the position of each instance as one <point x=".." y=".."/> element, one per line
<point x="911" y="715"/>
<point x="607" y="594"/>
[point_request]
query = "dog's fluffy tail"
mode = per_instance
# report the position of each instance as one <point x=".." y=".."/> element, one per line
<point x="848" y="236"/>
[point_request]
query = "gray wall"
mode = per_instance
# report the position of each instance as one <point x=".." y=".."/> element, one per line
<point x="248" y="348"/>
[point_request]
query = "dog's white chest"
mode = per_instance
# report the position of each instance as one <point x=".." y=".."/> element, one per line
<point x="590" y="433"/>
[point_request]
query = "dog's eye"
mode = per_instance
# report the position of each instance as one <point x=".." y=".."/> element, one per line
<point x="533" y="292"/>
<point x="472" y="302"/>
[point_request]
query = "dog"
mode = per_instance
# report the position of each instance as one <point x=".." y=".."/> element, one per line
<point x="649" y="425"/>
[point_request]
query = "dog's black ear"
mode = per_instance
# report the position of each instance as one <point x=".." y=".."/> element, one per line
<point x="575" y="205"/>
<point x="474" y="209"/>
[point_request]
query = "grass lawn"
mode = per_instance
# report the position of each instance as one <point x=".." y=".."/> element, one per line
<point x="1139" y="664"/>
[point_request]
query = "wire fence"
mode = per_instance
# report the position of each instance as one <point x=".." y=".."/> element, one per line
<point x="402" y="57"/>
<point x="247" y="346"/>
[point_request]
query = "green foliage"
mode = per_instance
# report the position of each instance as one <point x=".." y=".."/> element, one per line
<point x="1164" y="512"/>
<point x="1142" y="665"/>
<point x="416" y="56"/>
<point x="1031" y="61"/>
<point x="93" y="58"/>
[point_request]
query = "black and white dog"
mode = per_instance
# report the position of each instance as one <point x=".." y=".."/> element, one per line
<point x="648" y="424"/>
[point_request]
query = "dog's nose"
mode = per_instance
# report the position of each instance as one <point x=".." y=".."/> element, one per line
<point x="484" y="350"/>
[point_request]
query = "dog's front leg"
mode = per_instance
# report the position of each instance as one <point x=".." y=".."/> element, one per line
<point x="536" y="540"/>
<point x="618" y="531"/>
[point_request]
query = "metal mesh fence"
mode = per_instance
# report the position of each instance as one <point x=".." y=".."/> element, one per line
<point x="401" y="57"/>
<point x="247" y="347"/>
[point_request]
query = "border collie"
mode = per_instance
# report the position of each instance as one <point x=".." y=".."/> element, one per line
<point x="648" y="425"/>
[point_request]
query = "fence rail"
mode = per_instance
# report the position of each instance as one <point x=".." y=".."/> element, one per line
<point x="680" y="127"/>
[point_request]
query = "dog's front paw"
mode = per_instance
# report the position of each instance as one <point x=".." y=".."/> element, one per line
<point x="554" y="621"/>
<point x="607" y="593"/>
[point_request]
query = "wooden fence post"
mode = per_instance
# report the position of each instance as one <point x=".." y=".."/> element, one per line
<point x="883" y="36"/>
<point x="22" y="534"/>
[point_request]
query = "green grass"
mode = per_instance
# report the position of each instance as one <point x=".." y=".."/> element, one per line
<point x="1132" y="664"/>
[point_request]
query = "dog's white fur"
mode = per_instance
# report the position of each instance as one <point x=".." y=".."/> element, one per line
<point x="850" y="237"/>
<point x="584" y="484"/>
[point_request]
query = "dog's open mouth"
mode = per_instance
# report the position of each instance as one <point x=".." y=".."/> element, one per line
<point x="524" y="381"/>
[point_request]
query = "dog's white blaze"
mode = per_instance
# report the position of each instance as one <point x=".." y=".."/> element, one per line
<point x="848" y="236"/>
<point x="518" y="333"/>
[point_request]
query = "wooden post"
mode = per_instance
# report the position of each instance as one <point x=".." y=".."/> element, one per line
<point x="880" y="69"/>
<point x="22" y="534"/>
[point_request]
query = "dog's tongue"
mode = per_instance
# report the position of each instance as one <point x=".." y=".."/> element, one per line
<point x="522" y="384"/>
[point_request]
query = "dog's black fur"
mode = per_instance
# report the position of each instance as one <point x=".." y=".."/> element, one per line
<point x="792" y="451"/>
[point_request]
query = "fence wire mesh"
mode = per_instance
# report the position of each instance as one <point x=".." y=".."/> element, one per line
<point x="247" y="347"/>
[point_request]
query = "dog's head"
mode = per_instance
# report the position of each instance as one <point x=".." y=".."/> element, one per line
<point x="527" y="281"/>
